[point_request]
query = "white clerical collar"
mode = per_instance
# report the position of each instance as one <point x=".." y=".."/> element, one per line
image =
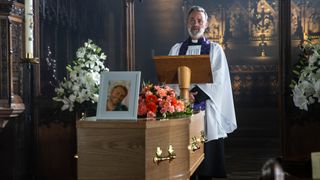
<point x="194" y="40"/>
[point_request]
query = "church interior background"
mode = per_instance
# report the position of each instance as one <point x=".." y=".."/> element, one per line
<point x="248" y="30"/>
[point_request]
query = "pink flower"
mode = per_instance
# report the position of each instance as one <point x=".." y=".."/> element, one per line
<point x="142" y="108"/>
<point x="151" y="114"/>
<point x="162" y="92"/>
<point x="163" y="110"/>
<point x="167" y="107"/>
<point x="172" y="100"/>
<point x="147" y="93"/>
<point x="171" y="109"/>
<point x="180" y="106"/>
<point x="168" y="88"/>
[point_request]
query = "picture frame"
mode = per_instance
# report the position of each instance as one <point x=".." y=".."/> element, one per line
<point x="118" y="95"/>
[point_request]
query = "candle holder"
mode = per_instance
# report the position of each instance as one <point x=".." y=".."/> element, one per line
<point x="30" y="59"/>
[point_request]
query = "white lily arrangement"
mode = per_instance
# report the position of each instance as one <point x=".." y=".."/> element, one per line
<point x="306" y="85"/>
<point x="82" y="85"/>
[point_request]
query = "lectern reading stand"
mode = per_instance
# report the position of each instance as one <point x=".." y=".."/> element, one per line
<point x="183" y="70"/>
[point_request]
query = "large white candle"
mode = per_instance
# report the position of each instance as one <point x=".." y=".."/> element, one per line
<point x="29" y="28"/>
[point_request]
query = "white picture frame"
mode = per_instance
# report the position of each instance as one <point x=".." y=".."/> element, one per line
<point x="113" y="103"/>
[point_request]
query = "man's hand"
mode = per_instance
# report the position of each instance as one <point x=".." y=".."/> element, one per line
<point x="191" y="96"/>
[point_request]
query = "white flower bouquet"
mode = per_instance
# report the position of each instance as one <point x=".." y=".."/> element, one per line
<point x="306" y="84"/>
<point x="81" y="87"/>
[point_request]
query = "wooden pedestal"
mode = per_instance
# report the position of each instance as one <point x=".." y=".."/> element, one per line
<point x="126" y="149"/>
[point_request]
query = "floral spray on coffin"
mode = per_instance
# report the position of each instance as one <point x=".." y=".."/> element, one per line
<point x="79" y="91"/>
<point x="160" y="101"/>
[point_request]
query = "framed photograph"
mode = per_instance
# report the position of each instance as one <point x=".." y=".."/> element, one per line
<point x="118" y="95"/>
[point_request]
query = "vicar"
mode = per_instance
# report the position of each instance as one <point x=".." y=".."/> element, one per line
<point x="219" y="115"/>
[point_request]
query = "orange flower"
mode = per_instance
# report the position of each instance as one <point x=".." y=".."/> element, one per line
<point x="174" y="101"/>
<point x="151" y="99"/>
<point x="152" y="107"/>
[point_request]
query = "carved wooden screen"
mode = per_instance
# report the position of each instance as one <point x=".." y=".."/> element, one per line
<point x="11" y="76"/>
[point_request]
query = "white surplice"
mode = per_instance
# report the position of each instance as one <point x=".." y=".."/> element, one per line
<point x="219" y="115"/>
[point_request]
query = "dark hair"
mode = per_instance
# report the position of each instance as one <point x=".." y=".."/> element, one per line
<point x="120" y="86"/>
<point x="198" y="9"/>
<point x="268" y="170"/>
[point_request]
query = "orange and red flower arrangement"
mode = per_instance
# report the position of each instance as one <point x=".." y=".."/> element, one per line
<point x="161" y="101"/>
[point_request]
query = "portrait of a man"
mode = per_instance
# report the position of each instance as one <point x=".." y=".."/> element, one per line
<point x="117" y="96"/>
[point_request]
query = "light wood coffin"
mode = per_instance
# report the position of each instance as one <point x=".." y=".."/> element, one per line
<point x="126" y="149"/>
<point x="196" y="130"/>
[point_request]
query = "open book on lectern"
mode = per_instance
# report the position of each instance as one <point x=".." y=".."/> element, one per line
<point x="167" y="68"/>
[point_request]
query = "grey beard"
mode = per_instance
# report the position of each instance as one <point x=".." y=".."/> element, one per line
<point x="196" y="34"/>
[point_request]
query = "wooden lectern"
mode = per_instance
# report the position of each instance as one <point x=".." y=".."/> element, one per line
<point x="183" y="70"/>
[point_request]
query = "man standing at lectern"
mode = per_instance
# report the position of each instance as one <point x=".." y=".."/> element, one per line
<point x="219" y="115"/>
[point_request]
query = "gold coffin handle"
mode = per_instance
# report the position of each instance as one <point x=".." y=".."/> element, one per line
<point x="195" y="142"/>
<point x="159" y="157"/>
<point x="203" y="137"/>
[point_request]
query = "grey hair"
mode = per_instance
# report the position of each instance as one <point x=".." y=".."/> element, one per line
<point x="198" y="9"/>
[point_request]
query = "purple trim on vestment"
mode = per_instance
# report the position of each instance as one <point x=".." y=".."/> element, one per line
<point x="205" y="46"/>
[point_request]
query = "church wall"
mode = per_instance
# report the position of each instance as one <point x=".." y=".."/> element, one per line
<point x="66" y="25"/>
<point x="156" y="32"/>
